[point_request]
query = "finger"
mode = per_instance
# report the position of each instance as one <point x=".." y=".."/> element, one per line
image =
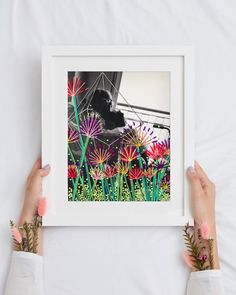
<point x="205" y="181"/>
<point x="35" y="167"/>
<point x="44" y="171"/>
<point x="196" y="187"/>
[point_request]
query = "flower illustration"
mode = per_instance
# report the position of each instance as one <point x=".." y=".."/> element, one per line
<point x="128" y="153"/>
<point x="72" y="171"/>
<point x="166" y="146"/>
<point x="75" y="86"/>
<point x="166" y="186"/>
<point x="122" y="168"/>
<point x="138" y="136"/>
<point x="73" y="135"/>
<point x="136" y="173"/>
<point x="156" y="151"/>
<point x="149" y="172"/>
<point x="97" y="173"/>
<point x="160" y="164"/>
<point x="91" y="126"/>
<point x="99" y="154"/>
<point x="109" y="171"/>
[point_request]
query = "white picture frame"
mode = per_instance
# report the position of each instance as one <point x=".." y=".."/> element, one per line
<point x="56" y="62"/>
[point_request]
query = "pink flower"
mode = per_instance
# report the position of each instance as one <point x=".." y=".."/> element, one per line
<point x="16" y="234"/>
<point x="205" y="230"/>
<point x="42" y="207"/>
<point x="187" y="259"/>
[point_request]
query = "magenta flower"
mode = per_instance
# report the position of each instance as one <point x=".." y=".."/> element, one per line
<point x="91" y="126"/>
<point x="75" y="86"/>
<point x="160" y="164"/>
<point x="128" y="153"/>
<point x="73" y="135"/>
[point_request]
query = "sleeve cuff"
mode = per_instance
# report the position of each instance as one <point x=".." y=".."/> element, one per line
<point x="25" y="274"/>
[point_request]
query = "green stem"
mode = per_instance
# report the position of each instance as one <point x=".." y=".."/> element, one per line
<point x="84" y="148"/>
<point x="77" y="121"/>
<point x="157" y="187"/>
<point x="144" y="181"/>
<point x="132" y="184"/>
<point x="88" y="176"/>
<point x="71" y="154"/>
<point x="93" y="187"/>
<point x="128" y="187"/>
<point x="121" y="186"/>
<point x="103" y="190"/>
<point x="75" y="189"/>
<point x="118" y="185"/>
<point x="113" y="189"/>
<point x="141" y="190"/>
<point x="154" y="187"/>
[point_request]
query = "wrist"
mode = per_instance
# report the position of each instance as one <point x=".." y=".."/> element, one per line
<point x="26" y="216"/>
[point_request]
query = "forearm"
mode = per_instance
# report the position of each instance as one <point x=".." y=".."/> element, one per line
<point x="204" y="243"/>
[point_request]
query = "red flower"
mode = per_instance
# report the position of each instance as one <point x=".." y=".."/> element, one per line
<point x="135" y="173"/>
<point x="72" y="171"/>
<point x="109" y="171"/>
<point x="166" y="146"/>
<point x="156" y="151"/>
<point x="75" y="86"/>
<point x="128" y="153"/>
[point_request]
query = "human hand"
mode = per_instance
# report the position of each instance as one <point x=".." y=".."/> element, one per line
<point x="33" y="191"/>
<point x="203" y="203"/>
<point x="202" y="195"/>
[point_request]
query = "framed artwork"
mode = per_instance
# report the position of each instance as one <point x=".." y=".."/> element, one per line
<point x="117" y="129"/>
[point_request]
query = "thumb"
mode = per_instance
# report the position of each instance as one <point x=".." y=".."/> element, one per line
<point x="45" y="170"/>
<point x="195" y="183"/>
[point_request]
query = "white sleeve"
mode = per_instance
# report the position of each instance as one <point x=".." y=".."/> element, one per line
<point x="207" y="282"/>
<point x="25" y="274"/>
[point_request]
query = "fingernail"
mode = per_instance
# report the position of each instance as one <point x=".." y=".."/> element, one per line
<point x="46" y="167"/>
<point x="191" y="170"/>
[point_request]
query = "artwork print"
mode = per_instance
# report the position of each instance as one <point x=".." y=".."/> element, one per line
<point x="119" y="137"/>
